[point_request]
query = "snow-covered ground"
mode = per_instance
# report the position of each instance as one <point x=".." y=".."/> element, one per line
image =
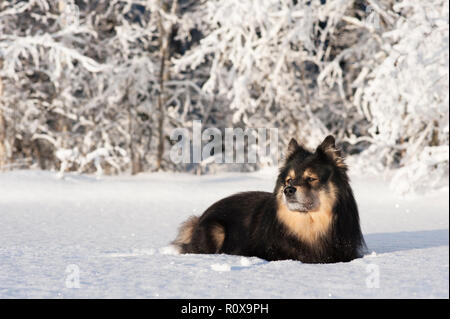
<point x="116" y="231"/>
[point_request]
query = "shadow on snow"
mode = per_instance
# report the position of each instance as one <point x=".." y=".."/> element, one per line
<point x="391" y="242"/>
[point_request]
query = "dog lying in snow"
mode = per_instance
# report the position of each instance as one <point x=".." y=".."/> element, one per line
<point x="311" y="215"/>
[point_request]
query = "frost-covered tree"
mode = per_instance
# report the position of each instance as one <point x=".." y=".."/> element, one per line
<point x="344" y="67"/>
<point x="84" y="82"/>
<point x="97" y="86"/>
<point x="406" y="98"/>
<point x="39" y="61"/>
<point x="285" y="64"/>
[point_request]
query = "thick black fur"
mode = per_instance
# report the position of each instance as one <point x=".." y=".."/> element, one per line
<point x="251" y="227"/>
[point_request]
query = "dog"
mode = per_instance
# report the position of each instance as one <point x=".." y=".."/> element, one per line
<point x="311" y="216"/>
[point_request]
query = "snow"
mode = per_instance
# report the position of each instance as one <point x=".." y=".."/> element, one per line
<point x="116" y="232"/>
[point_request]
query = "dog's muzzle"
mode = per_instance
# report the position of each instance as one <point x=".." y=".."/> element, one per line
<point x="289" y="191"/>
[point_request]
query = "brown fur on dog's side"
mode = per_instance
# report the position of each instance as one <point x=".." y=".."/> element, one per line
<point x="218" y="235"/>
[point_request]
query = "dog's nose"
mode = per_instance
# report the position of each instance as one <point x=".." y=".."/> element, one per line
<point x="289" y="191"/>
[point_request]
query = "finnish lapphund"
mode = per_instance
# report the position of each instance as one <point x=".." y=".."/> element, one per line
<point x="311" y="215"/>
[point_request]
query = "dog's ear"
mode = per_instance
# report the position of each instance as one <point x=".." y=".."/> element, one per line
<point x="295" y="149"/>
<point x="292" y="147"/>
<point x="328" y="148"/>
<point x="328" y="143"/>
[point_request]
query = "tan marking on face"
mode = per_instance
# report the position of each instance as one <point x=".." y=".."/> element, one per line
<point x="218" y="235"/>
<point x="310" y="226"/>
<point x="290" y="175"/>
<point x="308" y="173"/>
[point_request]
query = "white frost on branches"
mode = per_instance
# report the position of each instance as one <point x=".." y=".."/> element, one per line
<point x="97" y="86"/>
<point x="373" y="73"/>
<point x="406" y="97"/>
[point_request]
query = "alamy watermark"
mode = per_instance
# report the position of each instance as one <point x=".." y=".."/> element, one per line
<point x="73" y="276"/>
<point x="373" y="279"/>
<point x="235" y="145"/>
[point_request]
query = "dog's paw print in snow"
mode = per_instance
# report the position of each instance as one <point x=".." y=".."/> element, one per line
<point x="244" y="262"/>
<point x="220" y="267"/>
<point x="169" y="250"/>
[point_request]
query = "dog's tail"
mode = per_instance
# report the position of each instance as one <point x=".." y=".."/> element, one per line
<point x="185" y="233"/>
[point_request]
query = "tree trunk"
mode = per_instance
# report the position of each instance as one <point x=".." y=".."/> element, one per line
<point x="164" y="40"/>
<point x="161" y="102"/>
<point x="2" y="133"/>
<point x="435" y="135"/>
<point x="135" y="157"/>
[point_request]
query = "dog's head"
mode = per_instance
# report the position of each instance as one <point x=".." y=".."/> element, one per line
<point x="306" y="182"/>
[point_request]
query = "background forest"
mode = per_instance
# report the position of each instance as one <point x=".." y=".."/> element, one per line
<point x="97" y="86"/>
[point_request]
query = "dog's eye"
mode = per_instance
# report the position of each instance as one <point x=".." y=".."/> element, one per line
<point x="311" y="179"/>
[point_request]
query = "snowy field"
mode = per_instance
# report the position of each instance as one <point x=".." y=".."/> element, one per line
<point x="116" y="232"/>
